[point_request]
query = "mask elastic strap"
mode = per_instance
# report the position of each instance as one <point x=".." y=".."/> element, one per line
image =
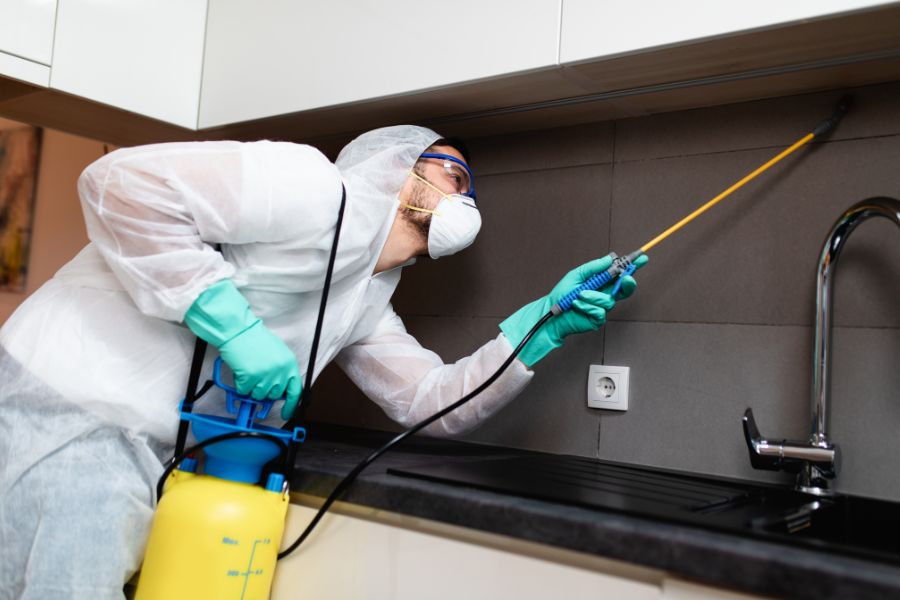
<point x="432" y="186"/>
<point x="422" y="210"/>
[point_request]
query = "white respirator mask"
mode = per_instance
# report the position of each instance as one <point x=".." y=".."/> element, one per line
<point x="455" y="222"/>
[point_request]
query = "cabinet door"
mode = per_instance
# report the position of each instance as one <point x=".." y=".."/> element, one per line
<point x="593" y="29"/>
<point x="144" y="56"/>
<point x="24" y="70"/>
<point x="349" y="558"/>
<point x="26" y="29"/>
<point x="279" y="56"/>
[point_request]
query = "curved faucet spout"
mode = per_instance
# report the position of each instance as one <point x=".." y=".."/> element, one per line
<point x="817" y="460"/>
<point x="889" y="208"/>
<point x="834" y="243"/>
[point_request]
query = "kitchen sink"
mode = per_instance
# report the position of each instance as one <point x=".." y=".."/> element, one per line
<point x="849" y="525"/>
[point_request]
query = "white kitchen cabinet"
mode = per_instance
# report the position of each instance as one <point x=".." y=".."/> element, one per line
<point x="280" y="56"/>
<point x="144" y="56"/>
<point x="384" y="556"/>
<point x="349" y="558"/>
<point x="678" y="589"/>
<point x="316" y="71"/>
<point x="594" y="30"/>
<point x="24" y="70"/>
<point x="26" y="29"/>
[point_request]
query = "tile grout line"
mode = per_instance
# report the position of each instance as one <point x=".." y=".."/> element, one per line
<point x="612" y="183"/>
<point x="768" y="147"/>
<point x="660" y="322"/>
<point x="543" y="169"/>
<point x="735" y="324"/>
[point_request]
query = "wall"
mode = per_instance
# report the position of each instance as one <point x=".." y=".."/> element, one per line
<point x="58" y="228"/>
<point x="723" y="315"/>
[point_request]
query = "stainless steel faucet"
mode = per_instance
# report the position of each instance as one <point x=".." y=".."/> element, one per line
<point x="816" y="461"/>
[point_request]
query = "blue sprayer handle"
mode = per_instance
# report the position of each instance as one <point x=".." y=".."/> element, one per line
<point x="628" y="271"/>
<point x="622" y="265"/>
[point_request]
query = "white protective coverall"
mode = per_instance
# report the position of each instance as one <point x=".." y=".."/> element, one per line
<point x="94" y="363"/>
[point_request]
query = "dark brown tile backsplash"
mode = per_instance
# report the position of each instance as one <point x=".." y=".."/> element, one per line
<point x="590" y="144"/>
<point x="723" y="315"/>
<point x="762" y="124"/>
<point x="536" y="226"/>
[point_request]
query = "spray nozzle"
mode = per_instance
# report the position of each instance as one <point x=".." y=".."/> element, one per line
<point x="828" y="124"/>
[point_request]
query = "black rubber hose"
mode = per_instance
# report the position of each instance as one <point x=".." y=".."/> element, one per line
<point x="352" y="475"/>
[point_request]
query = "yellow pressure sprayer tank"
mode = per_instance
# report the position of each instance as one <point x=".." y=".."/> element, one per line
<point x="216" y="535"/>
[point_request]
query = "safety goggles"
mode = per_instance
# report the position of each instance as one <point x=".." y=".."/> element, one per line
<point x="458" y="171"/>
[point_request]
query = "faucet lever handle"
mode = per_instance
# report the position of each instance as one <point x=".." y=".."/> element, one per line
<point x="751" y="431"/>
<point x="761" y="456"/>
<point x="784" y="455"/>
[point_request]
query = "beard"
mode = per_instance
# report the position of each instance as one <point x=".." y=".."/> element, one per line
<point x="420" y="221"/>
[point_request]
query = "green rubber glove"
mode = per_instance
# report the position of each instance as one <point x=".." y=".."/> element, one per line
<point x="588" y="311"/>
<point x="263" y="366"/>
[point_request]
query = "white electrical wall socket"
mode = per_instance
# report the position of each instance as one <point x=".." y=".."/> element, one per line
<point x="607" y="387"/>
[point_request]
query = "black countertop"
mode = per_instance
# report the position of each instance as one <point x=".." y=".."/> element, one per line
<point x="695" y="553"/>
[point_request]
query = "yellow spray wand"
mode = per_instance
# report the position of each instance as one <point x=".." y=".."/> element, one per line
<point x="624" y="265"/>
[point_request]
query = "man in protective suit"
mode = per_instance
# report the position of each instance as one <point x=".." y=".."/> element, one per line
<point x="94" y="363"/>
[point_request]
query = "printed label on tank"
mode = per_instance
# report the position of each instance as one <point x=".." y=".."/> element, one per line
<point x="249" y="571"/>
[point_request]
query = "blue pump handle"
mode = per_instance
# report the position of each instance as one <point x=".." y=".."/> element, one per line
<point x="217" y="377"/>
<point x="238" y="404"/>
<point x="239" y="459"/>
